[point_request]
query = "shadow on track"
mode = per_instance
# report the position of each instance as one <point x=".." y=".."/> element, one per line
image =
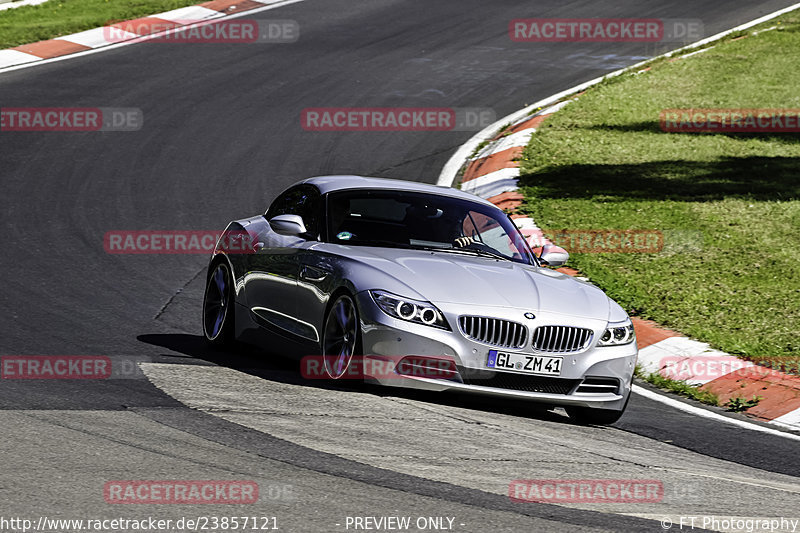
<point x="251" y="360"/>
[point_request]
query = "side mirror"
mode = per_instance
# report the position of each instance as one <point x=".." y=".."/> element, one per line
<point x="553" y="255"/>
<point x="291" y="225"/>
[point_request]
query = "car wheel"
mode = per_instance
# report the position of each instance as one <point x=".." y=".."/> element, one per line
<point x="341" y="337"/>
<point x="218" y="312"/>
<point x="598" y="417"/>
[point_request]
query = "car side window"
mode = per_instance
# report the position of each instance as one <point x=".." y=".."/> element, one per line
<point x="303" y="200"/>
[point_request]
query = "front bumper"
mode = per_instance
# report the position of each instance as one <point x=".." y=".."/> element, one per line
<point x="386" y="339"/>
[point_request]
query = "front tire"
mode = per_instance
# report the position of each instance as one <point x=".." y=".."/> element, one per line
<point x="341" y="337"/>
<point x="598" y="417"/>
<point x="218" y="310"/>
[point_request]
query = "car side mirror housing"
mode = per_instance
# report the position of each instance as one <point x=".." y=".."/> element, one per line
<point x="290" y="225"/>
<point x="553" y="255"/>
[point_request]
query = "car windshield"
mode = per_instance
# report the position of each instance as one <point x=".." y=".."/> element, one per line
<point x="402" y="219"/>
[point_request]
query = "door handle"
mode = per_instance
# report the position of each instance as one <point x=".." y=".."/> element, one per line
<point x="312" y="274"/>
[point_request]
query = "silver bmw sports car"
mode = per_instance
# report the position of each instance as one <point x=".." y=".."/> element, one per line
<point x="414" y="285"/>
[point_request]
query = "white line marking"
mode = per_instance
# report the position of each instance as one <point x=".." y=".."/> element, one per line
<point x="3" y="69"/>
<point x="453" y="165"/>
<point x="675" y="404"/>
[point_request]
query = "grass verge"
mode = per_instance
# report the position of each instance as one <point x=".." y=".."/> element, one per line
<point x="678" y="387"/>
<point x="727" y="204"/>
<point x="28" y="24"/>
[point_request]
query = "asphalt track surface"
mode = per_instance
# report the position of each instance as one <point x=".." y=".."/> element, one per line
<point x="222" y="137"/>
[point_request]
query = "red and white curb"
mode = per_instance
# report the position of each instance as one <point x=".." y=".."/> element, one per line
<point x="493" y="173"/>
<point x="494" y="170"/>
<point x="728" y="377"/>
<point x="118" y="34"/>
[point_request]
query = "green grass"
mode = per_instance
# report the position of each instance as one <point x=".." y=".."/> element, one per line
<point x="740" y="403"/>
<point x="678" y="387"/>
<point x="54" y="18"/>
<point x="728" y="204"/>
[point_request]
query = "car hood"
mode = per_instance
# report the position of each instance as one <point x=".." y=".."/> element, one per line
<point x="442" y="277"/>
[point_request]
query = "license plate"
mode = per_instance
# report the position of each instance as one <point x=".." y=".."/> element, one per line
<point x="520" y="362"/>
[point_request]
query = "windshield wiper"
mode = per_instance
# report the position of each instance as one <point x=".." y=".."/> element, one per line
<point x="483" y="253"/>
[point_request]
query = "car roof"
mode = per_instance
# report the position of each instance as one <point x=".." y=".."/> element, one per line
<point x="327" y="184"/>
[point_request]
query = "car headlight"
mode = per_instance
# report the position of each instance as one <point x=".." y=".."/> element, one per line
<point x="409" y="310"/>
<point x="618" y="334"/>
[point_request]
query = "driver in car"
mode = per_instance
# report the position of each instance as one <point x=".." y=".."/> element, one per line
<point x="430" y="223"/>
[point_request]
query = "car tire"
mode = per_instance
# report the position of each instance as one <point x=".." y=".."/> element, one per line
<point x="218" y="306"/>
<point x="598" y="417"/>
<point x="341" y="338"/>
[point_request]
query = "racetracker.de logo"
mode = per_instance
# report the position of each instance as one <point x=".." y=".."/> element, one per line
<point x="586" y="490"/>
<point x="55" y="366"/>
<point x="587" y="241"/>
<point x="70" y="119"/>
<point x="380" y="367"/>
<point x="730" y="120"/>
<point x="178" y="242"/>
<point x="710" y="367"/>
<point x="396" y="118"/>
<point x="557" y="30"/>
<point x="180" y="492"/>
<point x="239" y="31"/>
